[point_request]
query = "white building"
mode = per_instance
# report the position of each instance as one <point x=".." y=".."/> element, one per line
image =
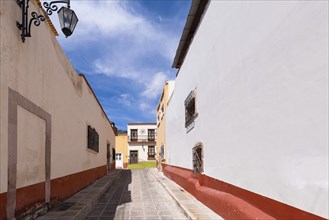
<point x="141" y="142"/>
<point x="250" y="106"/>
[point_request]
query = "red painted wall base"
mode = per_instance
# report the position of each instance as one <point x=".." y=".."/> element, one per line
<point x="30" y="197"/>
<point x="232" y="202"/>
<point x="112" y="166"/>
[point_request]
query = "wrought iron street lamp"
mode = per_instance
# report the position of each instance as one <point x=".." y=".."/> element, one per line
<point x="67" y="17"/>
<point x="68" y="20"/>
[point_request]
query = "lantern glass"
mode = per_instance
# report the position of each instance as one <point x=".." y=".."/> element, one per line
<point x="68" y="20"/>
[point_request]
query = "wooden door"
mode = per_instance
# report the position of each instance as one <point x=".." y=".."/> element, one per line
<point x="133" y="157"/>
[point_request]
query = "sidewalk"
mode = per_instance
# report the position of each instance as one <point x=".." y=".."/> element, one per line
<point x="81" y="203"/>
<point x="194" y="209"/>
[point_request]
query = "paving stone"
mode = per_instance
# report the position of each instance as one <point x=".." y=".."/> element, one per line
<point x="134" y="194"/>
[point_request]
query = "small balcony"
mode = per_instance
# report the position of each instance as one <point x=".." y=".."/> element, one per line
<point x="141" y="138"/>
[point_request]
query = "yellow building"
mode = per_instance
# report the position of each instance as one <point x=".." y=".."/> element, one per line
<point x="161" y="122"/>
<point x="121" y="151"/>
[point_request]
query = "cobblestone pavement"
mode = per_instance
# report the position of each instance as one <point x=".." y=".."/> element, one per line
<point x="136" y="194"/>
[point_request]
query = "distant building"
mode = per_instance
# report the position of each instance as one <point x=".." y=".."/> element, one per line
<point x="55" y="137"/>
<point x="247" y="124"/>
<point x="141" y="142"/>
<point x="121" y="150"/>
<point x="161" y="122"/>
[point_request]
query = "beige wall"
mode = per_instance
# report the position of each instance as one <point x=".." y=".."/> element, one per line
<point x="121" y="146"/>
<point x="40" y="71"/>
<point x="161" y="119"/>
<point x="30" y="148"/>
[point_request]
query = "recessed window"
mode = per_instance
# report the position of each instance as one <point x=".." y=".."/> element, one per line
<point x="151" y="134"/>
<point x="190" y="109"/>
<point x="198" y="159"/>
<point x="162" y="153"/>
<point x="133" y="135"/>
<point x="93" y="139"/>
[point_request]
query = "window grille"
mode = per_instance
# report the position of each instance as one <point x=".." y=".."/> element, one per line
<point x="133" y="135"/>
<point x="198" y="159"/>
<point x="151" y="152"/>
<point x="162" y="152"/>
<point x="93" y="139"/>
<point x="151" y="134"/>
<point x="190" y="109"/>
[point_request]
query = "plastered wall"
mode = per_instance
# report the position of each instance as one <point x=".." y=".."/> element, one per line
<point x="121" y="146"/>
<point x="141" y="147"/>
<point x="161" y="120"/>
<point x="40" y="71"/>
<point x="261" y="81"/>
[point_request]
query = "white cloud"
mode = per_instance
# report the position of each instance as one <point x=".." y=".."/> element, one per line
<point x="112" y="69"/>
<point x="122" y="40"/>
<point x="154" y="87"/>
<point x="125" y="100"/>
<point x="134" y="34"/>
<point x="143" y="106"/>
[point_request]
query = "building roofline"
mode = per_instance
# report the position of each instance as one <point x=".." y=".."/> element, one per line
<point x="91" y="89"/>
<point x="142" y="123"/>
<point x="193" y="21"/>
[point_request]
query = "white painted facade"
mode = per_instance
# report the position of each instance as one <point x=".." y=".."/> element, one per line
<point x="142" y="143"/>
<point x="261" y="81"/>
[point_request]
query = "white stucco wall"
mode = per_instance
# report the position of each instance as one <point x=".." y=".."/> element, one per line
<point x="171" y="87"/>
<point x="142" y="151"/>
<point x="40" y="71"/>
<point x="141" y="147"/>
<point x="141" y="127"/>
<point x="261" y="78"/>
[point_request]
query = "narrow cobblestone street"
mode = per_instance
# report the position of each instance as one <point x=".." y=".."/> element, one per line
<point x="136" y="194"/>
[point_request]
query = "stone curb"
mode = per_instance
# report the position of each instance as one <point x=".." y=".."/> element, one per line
<point x="187" y="213"/>
<point x="83" y="201"/>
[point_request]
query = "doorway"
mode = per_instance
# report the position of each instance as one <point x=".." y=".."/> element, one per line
<point x="108" y="157"/>
<point x="118" y="161"/>
<point x="133" y="157"/>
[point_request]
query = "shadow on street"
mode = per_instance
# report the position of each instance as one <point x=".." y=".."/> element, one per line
<point x="111" y="203"/>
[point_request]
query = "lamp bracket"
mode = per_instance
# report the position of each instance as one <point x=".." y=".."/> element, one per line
<point x="25" y="25"/>
<point x="50" y="7"/>
<point x="36" y="19"/>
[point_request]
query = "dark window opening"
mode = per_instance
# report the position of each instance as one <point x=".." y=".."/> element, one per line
<point x="93" y="139"/>
<point x="113" y="154"/>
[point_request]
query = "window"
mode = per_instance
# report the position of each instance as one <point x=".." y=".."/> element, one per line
<point x="151" y="134"/>
<point x="118" y="156"/>
<point x="133" y="135"/>
<point x="190" y="110"/>
<point x="151" y="152"/>
<point x="198" y="159"/>
<point x="162" y="153"/>
<point x="93" y="139"/>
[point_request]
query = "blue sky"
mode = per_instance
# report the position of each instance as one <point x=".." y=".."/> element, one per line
<point x="126" y="49"/>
